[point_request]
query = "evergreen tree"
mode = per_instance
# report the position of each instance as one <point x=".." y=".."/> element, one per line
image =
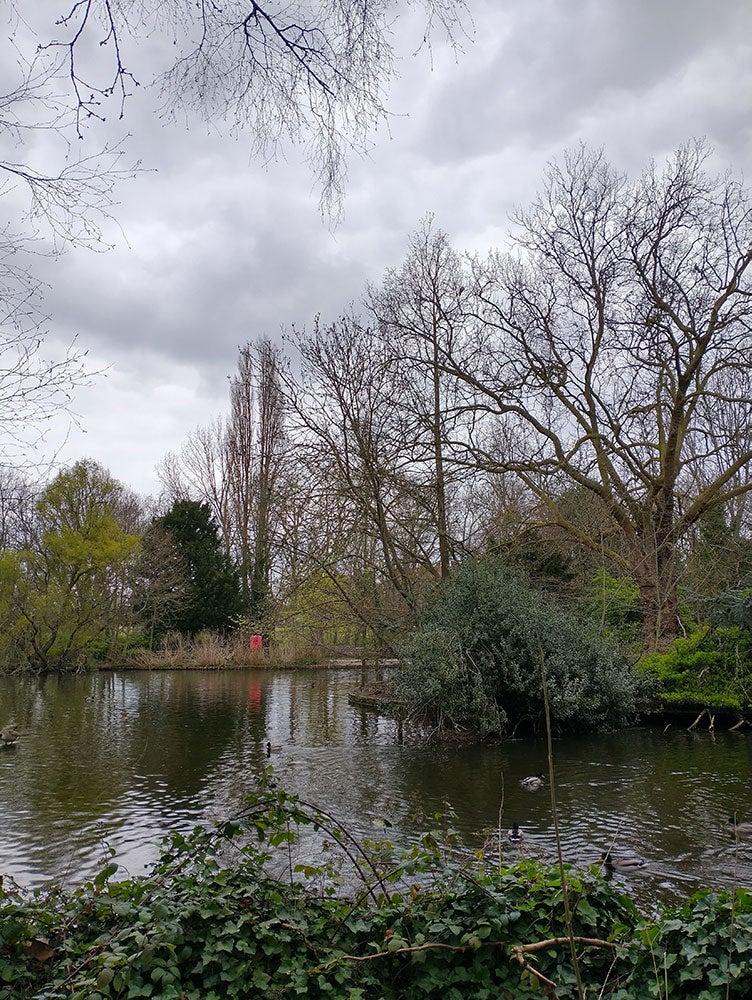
<point x="212" y="594"/>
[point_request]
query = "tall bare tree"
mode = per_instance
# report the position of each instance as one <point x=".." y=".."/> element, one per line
<point x="255" y="454"/>
<point x="616" y="357"/>
<point x="423" y="309"/>
<point x="235" y="465"/>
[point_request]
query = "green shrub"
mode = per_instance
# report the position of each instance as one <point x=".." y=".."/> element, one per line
<point x="704" y="946"/>
<point x="211" y="922"/>
<point x="712" y="668"/>
<point x="475" y="659"/>
<point x="613" y="604"/>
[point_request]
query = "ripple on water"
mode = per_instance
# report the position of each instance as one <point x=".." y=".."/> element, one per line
<point x="153" y="754"/>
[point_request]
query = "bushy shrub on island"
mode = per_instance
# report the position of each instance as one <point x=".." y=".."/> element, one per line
<point x="475" y="660"/>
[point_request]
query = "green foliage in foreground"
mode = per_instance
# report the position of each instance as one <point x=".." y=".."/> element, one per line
<point x="212" y="922"/>
<point x="475" y="659"/>
<point x="712" y="668"/>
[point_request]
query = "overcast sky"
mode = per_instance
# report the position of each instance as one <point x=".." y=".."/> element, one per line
<point x="216" y="250"/>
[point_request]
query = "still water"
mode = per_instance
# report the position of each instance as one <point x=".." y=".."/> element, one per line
<point x="118" y="760"/>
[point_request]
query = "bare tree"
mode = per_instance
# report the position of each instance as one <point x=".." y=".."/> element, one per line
<point x="160" y="581"/>
<point x="70" y="198"/>
<point x="199" y="472"/>
<point x="423" y="309"/>
<point x="359" y="444"/>
<point x="65" y="202"/>
<point x="616" y="358"/>
<point x="254" y="458"/>
<point x="17" y="510"/>
<point x="33" y="384"/>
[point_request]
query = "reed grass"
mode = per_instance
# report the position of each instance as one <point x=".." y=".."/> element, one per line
<point x="211" y="651"/>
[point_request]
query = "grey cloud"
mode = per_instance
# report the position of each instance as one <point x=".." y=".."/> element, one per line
<point x="202" y="275"/>
<point x="555" y="64"/>
<point x="217" y="250"/>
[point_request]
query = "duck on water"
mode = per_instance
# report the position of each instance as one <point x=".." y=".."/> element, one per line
<point x="739" y="829"/>
<point x="515" y="835"/>
<point x="533" y="782"/>
<point x="622" y="863"/>
<point x="9" y="735"/>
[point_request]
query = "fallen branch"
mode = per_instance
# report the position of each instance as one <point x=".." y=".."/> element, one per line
<point x="689" y="728"/>
<point x="409" y="950"/>
<point x="519" y="951"/>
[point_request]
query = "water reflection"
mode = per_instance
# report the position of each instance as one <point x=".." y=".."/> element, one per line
<point x="121" y="759"/>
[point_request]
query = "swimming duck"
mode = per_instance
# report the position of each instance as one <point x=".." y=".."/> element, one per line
<point x="515" y="835"/>
<point x="9" y="735"/>
<point x="272" y="749"/>
<point x="740" y="829"/>
<point x="533" y="782"/>
<point x="622" y="863"/>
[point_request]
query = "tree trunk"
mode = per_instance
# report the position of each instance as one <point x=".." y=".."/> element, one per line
<point x="441" y="515"/>
<point x="656" y="579"/>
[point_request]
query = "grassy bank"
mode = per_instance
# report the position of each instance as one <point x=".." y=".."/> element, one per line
<point x="210" y="651"/>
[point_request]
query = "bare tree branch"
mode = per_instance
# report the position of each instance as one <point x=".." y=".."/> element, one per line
<point x="307" y="72"/>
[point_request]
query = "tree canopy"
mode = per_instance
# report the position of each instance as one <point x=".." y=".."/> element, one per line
<point x="609" y="355"/>
<point x="62" y="593"/>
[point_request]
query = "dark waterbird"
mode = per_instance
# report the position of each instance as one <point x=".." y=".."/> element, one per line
<point x="515" y="835"/>
<point x="740" y="829"/>
<point x="622" y="863"/>
<point x="9" y="735"/>
<point x="533" y="782"/>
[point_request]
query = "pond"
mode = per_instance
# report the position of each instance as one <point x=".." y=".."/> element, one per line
<point x="118" y="760"/>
